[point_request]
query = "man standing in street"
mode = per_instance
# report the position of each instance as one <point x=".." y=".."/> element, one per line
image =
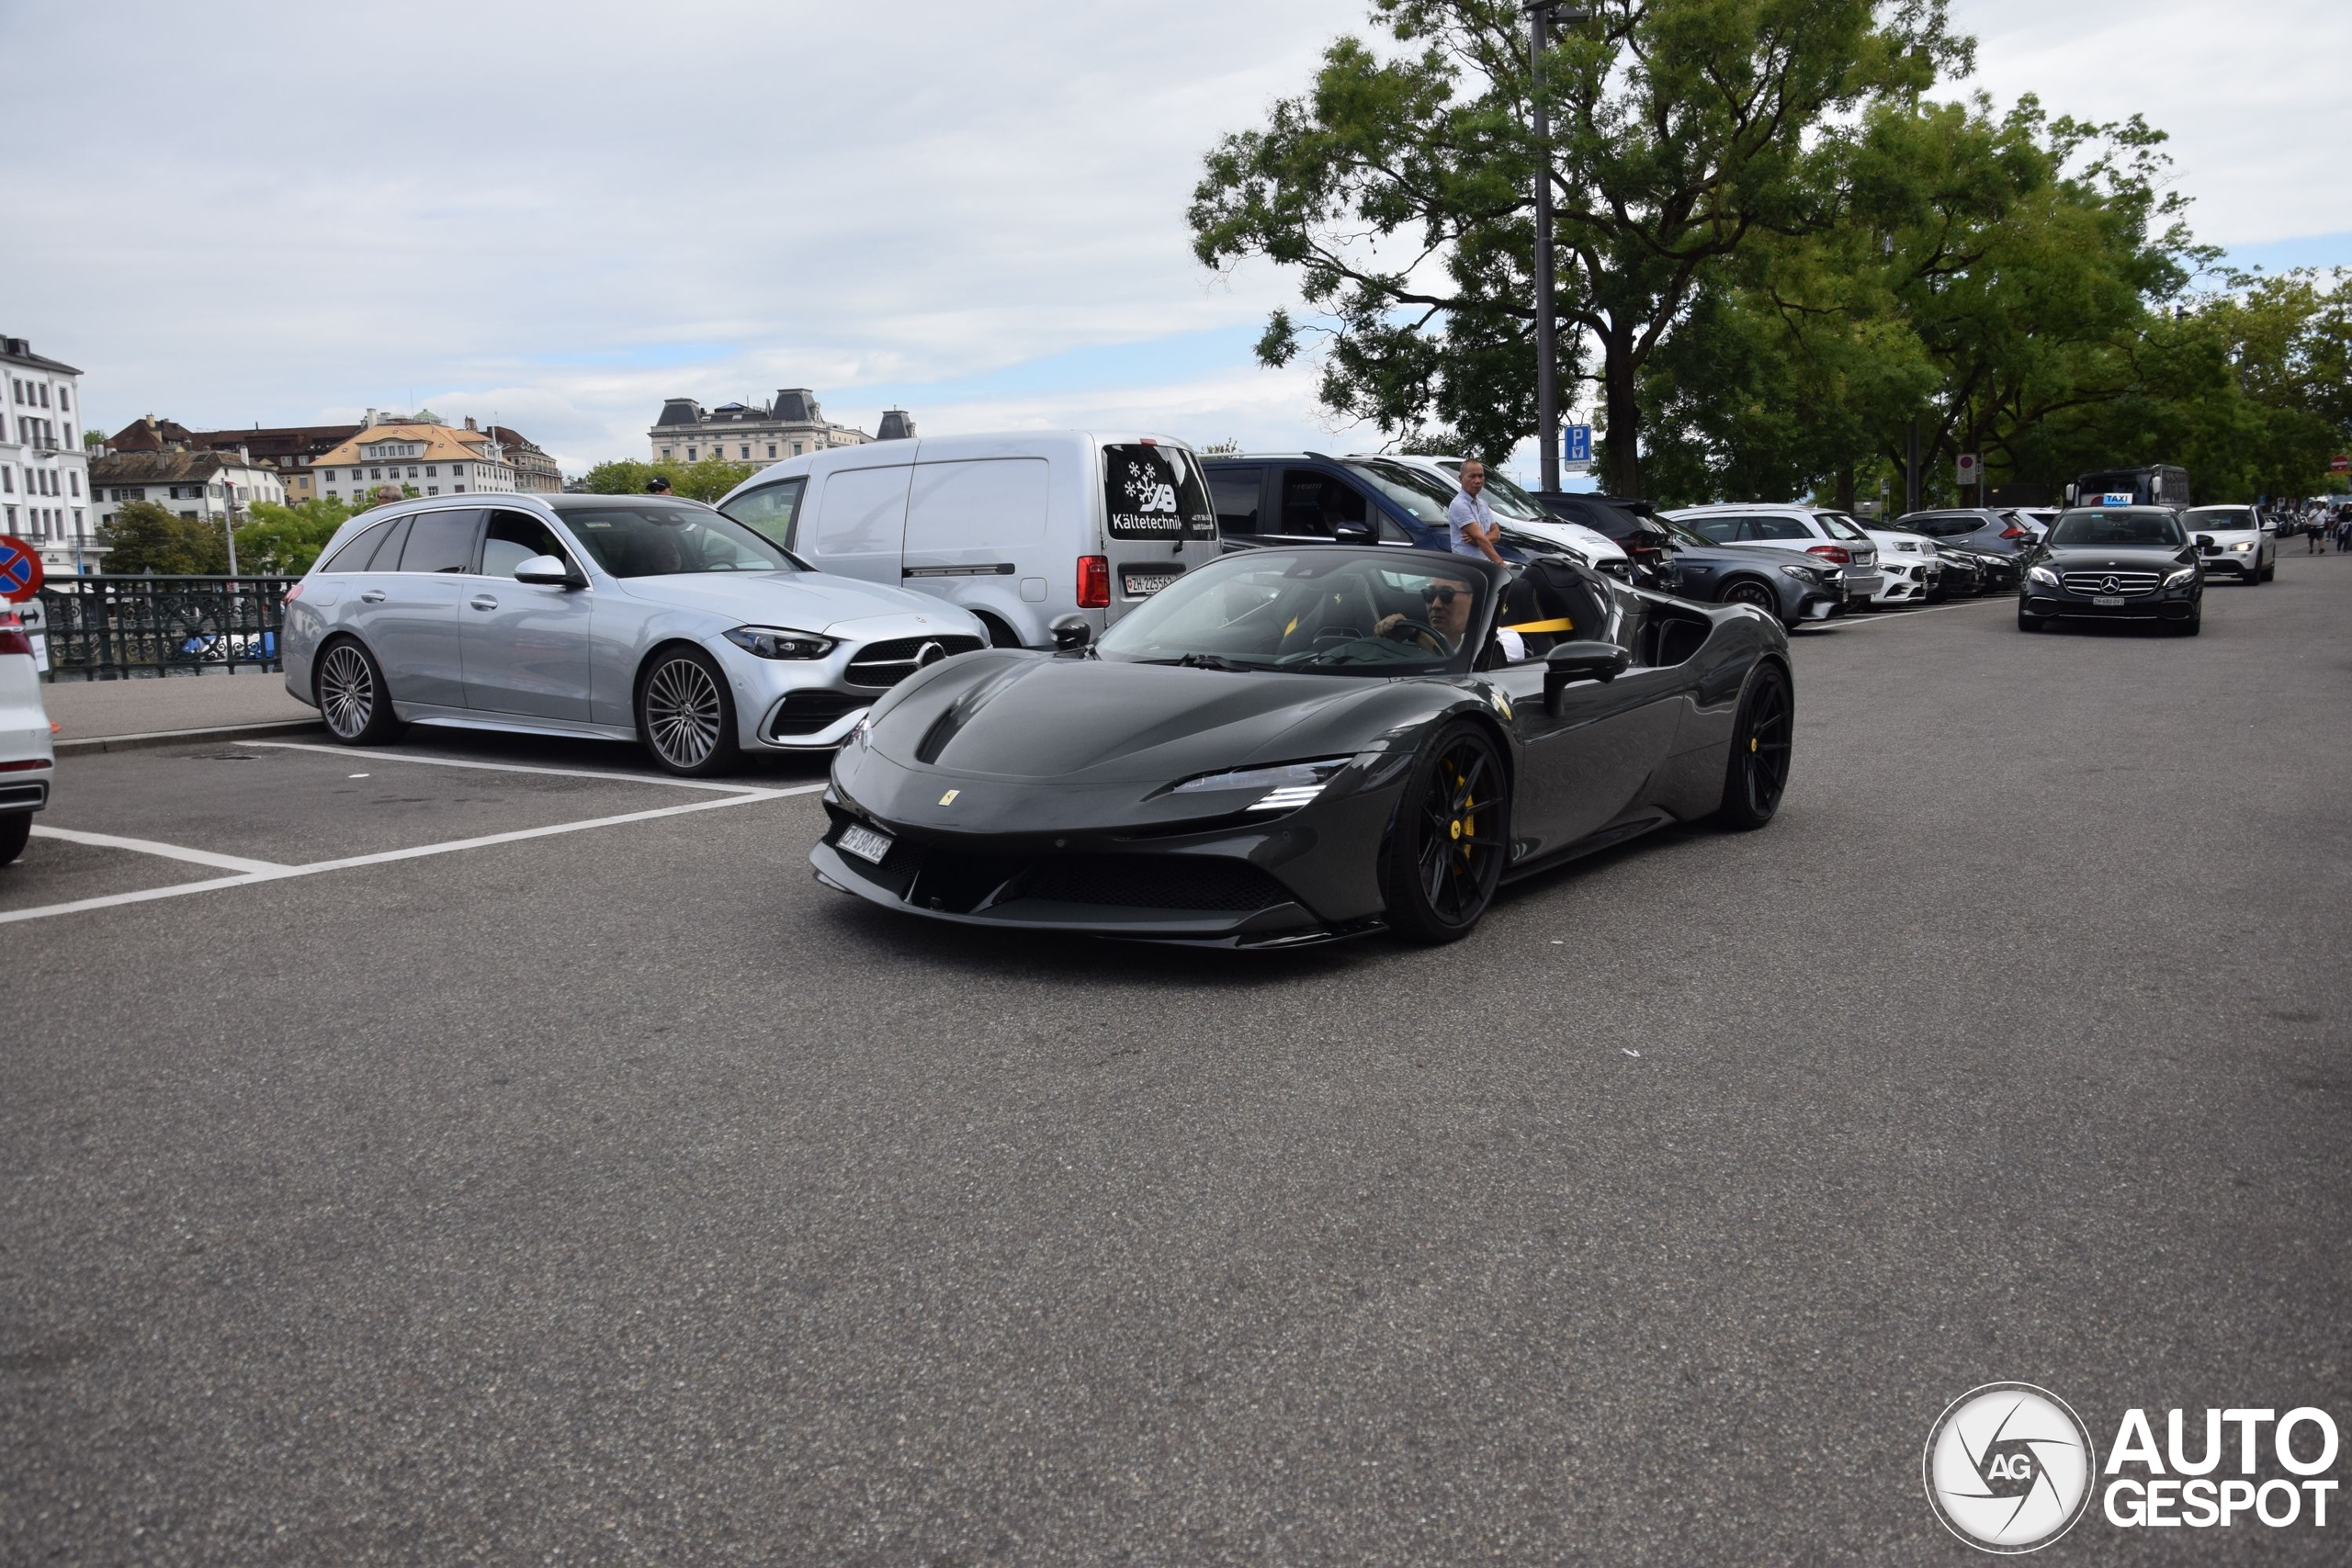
<point x="1471" y="520"/>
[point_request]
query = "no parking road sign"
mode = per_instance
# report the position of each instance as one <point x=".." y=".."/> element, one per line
<point x="20" y="574"/>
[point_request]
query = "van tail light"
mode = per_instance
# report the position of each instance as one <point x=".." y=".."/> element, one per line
<point x="1094" y="583"/>
<point x="2013" y="532"/>
<point x="1838" y="553"/>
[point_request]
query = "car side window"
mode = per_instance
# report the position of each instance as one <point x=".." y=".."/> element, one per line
<point x="769" y="511"/>
<point x="357" y="551"/>
<point x="1393" y="532"/>
<point x="514" y="537"/>
<point x="1720" y="530"/>
<point x="1236" y="492"/>
<point x="1315" y="503"/>
<point x="441" y="541"/>
<point x="387" y="555"/>
<point x="1777" y="528"/>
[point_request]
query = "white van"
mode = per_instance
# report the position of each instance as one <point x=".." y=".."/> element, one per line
<point x="1019" y="529"/>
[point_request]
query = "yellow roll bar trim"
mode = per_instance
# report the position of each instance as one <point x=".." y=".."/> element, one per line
<point x="1524" y="627"/>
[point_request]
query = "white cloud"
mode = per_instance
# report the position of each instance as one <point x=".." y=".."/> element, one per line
<point x="561" y="213"/>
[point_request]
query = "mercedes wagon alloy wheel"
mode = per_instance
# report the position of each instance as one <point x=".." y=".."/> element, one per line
<point x="1445" y="854"/>
<point x="352" y="699"/>
<point x="1760" y="748"/>
<point x="683" y="715"/>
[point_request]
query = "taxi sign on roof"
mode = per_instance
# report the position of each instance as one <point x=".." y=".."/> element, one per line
<point x="20" y="571"/>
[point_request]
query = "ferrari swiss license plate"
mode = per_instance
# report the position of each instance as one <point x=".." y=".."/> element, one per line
<point x="866" y="843"/>
<point x="2107" y="600"/>
<point x="1144" y="584"/>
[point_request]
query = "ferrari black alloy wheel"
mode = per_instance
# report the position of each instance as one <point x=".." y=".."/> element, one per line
<point x="1445" y="854"/>
<point x="684" y="713"/>
<point x="349" y="687"/>
<point x="1759" y="770"/>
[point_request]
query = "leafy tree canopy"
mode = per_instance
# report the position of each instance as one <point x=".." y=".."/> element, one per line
<point x="707" y="480"/>
<point x="144" y="536"/>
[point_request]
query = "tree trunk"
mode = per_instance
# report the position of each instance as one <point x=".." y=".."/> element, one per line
<point x="1846" y="489"/>
<point x="1624" y="411"/>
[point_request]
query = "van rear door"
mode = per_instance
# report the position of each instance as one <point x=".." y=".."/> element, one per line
<point x="1158" y="520"/>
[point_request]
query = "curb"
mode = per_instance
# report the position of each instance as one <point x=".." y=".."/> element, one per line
<point x="184" y="736"/>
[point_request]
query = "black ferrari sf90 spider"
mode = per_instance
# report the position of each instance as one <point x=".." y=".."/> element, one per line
<point x="1290" y="746"/>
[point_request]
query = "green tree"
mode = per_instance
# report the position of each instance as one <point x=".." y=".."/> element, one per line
<point x="144" y="537"/>
<point x="284" y="540"/>
<point x="1400" y="187"/>
<point x="705" y="480"/>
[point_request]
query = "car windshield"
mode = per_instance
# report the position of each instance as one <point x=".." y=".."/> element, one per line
<point x="1837" y="525"/>
<point x="1416" y="490"/>
<point x="2222" y="518"/>
<point x="648" y="537"/>
<point x="1319" y="611"/>
<point x="2122" y="529"/>
<point x="1682" y="533"/>
<point x="1509" y="501"/>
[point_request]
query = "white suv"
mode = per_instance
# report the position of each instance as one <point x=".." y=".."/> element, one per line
<point x="27" y="755"/>
<point x="1881" y="568"/>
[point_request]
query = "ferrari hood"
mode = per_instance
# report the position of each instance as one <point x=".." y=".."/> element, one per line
<point x="1016" y="715"/>
<point x="810" y="600"/>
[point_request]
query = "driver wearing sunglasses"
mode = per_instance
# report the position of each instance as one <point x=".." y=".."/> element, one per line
<point x="1447" y="603"/>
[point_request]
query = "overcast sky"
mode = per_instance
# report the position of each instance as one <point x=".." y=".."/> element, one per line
<point x="560" y="214"/>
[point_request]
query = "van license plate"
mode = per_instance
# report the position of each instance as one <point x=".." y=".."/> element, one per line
<point x="866" y="843"/>
<point x="2107" y="600"/>
<point x="1144" y="584"/>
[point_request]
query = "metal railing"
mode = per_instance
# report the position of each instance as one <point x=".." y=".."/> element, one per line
<point x="111" y="628"/>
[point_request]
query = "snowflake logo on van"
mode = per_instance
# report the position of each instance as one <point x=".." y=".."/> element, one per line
<point x="1148" y="490"/>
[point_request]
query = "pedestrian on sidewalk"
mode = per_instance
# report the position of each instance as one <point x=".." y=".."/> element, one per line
<point x="1471" y="519"/>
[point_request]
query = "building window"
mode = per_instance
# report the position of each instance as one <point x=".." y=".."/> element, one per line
<point x="411" y="472"/>
<point x="431" y="471"/>
<point x="63" y="406"/>
<point x="43" y="389"/>
<point x="457" y="490"/>
<point x="747" y="453"/>
<point x="9" y="480"/>
<point x="375" y="473"/>
<point x="433" y="489"/>
<point x="75" y="481"/>
<point x="771" y="448"/>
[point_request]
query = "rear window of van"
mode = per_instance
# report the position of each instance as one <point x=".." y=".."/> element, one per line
<point x="1155" y="492"/>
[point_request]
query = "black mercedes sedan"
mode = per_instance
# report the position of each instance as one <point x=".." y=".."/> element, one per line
<point x="1289" y="745"/>
<point x="2114" y="563"/>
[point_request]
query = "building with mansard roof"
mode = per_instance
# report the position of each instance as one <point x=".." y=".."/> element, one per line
<point x="759" y="433"/>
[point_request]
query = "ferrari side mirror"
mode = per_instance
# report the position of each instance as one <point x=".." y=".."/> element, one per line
<point x="1580" y="661"/>
<point x="1071" y="632"/>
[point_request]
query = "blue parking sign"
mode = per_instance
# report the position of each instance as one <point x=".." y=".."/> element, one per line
<point x="1575" y="443"/>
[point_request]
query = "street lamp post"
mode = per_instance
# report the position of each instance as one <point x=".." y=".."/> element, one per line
<point x="1541" y="17"/>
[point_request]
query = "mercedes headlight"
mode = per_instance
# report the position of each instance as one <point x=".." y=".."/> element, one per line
<point x="1805" y="573"/>
<point x="2182" y="578"/>
<point x="2043" y="575"/>
<point x="780" y="642"/>
<point x="1283" y="786"/>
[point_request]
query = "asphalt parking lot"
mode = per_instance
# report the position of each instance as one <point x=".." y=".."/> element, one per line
<point x="483" y="1150"/>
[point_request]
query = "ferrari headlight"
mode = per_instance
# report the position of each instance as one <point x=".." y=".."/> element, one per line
<point x="2181" y="578"/>
<point x="780" y="642"/>
<point x="1285" y="784"/>
<point x="2043" y="575"/>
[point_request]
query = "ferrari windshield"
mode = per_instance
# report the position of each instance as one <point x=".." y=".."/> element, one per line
<point x="1320" y="610"/>
<point x="647" y="536"/>
<point x="2147" y="529"/>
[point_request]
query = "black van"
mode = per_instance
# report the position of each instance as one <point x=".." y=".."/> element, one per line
<point x="2159" y="484"/>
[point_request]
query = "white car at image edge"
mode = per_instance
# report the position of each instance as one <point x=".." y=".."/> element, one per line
<point x="28" y="756"/>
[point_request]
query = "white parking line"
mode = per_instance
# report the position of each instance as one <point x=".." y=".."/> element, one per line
<point x="150" y="847"/>
<point x="266" y="870"/>
<point x="502" y="767"/>
<point x="1843" y="623"/>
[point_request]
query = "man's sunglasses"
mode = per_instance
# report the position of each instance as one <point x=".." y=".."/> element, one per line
<point x="1436" y="595"/>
